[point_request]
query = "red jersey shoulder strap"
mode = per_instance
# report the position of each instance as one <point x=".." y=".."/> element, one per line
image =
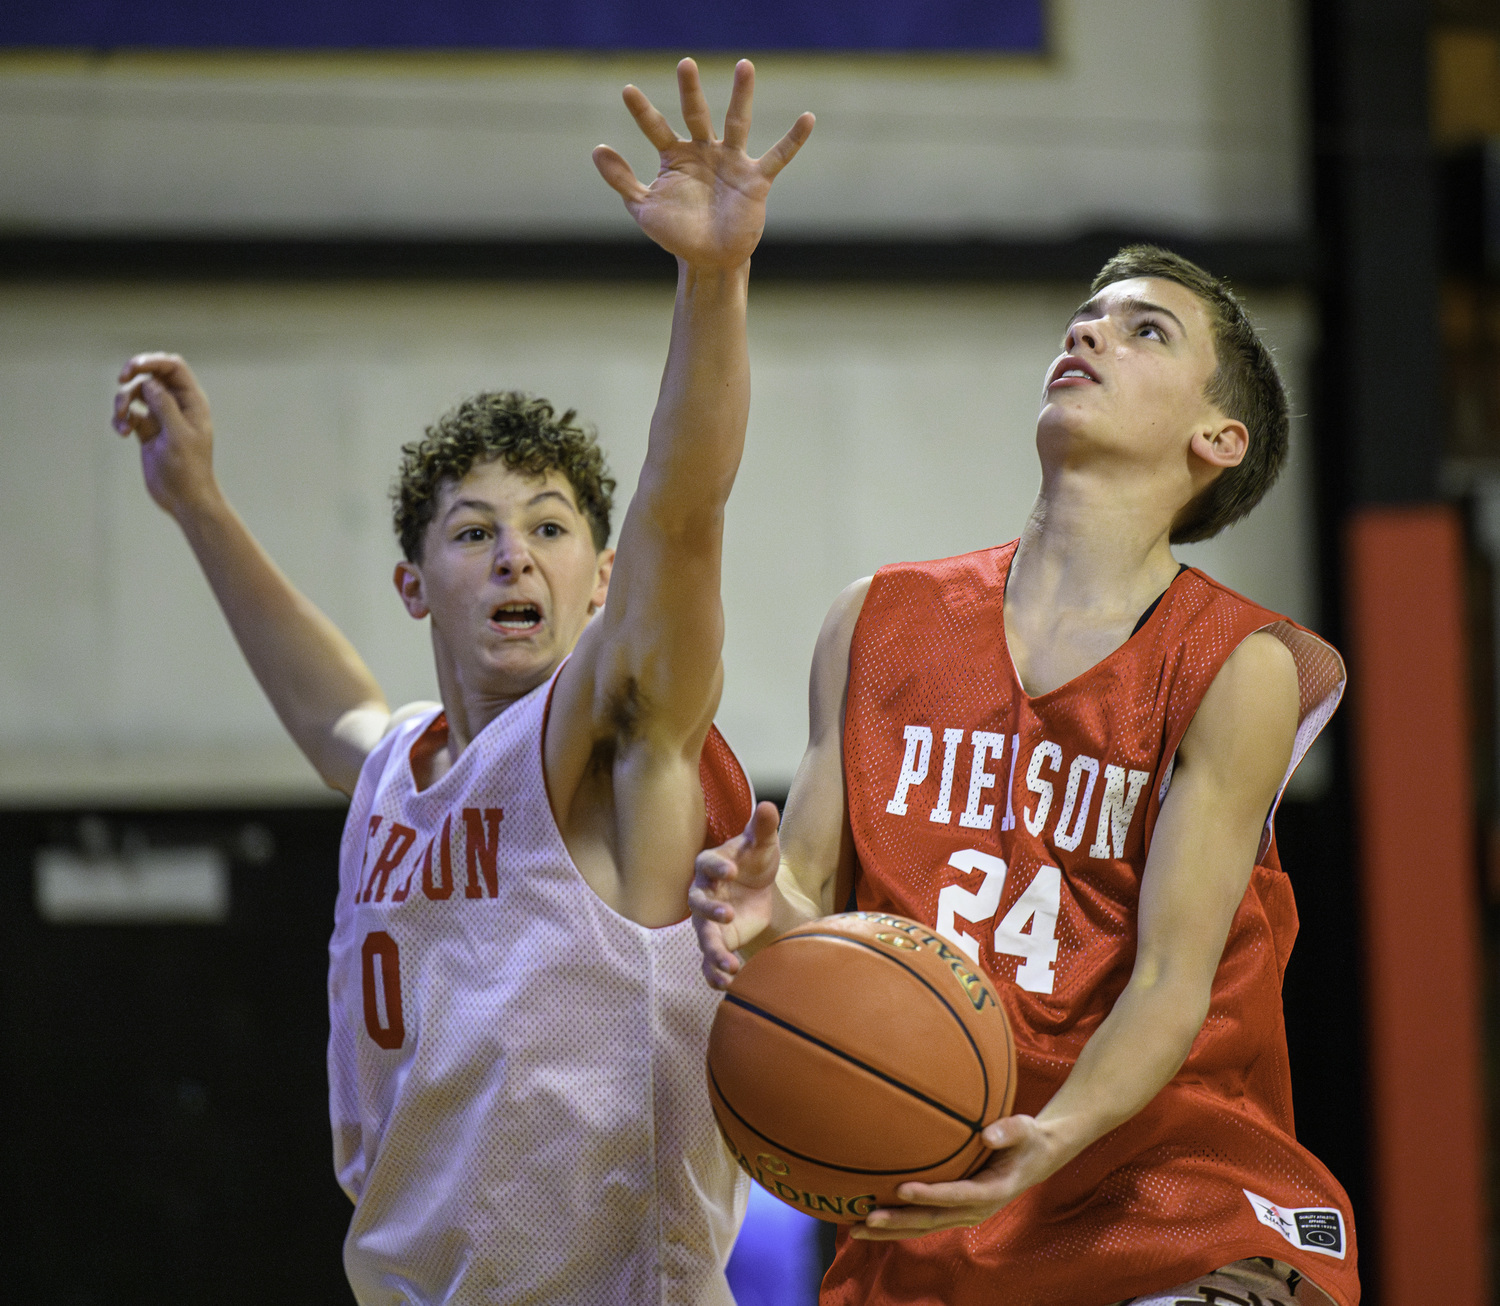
<point x="958" y="581"/>
<point x="1202" y="622"/>
<point x="904" y="597"/>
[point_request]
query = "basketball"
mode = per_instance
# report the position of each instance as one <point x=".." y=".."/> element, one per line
<point x="854" y="1054"/>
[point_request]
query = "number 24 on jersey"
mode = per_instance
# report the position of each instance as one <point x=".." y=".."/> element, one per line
<point x="1028" y="929"/>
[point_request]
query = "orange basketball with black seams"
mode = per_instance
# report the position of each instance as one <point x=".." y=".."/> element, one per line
<point x="855" y="1054"/>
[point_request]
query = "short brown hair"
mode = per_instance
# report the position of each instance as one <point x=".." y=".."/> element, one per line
<point x="522" y="431"/>
<point x="1245" y="386"/>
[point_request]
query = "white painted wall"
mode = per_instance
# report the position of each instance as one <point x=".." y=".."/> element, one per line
<point x="1178" y="115"/>
<point x="886" y="425"/>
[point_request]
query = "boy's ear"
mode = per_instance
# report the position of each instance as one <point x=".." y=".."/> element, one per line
<point x="408" y="581"/>
<point x="606" y="566"/>
<point x="1222" y="445"/>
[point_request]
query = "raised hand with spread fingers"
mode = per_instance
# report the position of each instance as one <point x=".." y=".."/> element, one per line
<point x="707" y="204"/>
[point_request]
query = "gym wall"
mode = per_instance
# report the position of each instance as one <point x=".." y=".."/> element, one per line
<point x="1169" y="115"/>
<point x="887" y="423"/>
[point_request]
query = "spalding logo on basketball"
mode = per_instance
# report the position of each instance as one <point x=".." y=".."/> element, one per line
<point x="854" y="1054"/>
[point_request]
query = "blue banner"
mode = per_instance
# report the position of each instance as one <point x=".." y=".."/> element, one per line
<point x="1009" y="26"/>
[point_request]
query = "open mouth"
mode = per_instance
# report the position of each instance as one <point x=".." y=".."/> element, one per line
<point x="1074" y="370"/>
<point x="516" y="616"/>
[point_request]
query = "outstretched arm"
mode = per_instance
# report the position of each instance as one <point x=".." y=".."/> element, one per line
<point x="323" y="693"/>
<point x="1229" y="767"/>
<point x="645" y="678"/>
<point x="662" y="629"/>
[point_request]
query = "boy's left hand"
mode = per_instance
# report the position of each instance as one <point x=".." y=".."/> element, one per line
<point x="1025" y="1154"/>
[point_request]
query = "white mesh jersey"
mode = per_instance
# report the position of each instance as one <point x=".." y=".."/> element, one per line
<point x="516" y="1072"/>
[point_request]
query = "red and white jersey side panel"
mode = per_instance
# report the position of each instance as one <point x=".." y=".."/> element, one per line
<point x="349" y="1160"/>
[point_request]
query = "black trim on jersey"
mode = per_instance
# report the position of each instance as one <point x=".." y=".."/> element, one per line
<point x="1156" y="602"/>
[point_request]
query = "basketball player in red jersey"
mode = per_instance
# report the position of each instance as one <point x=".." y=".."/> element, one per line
<point x="516" y="1064"/>
<point x="1063" y="755"/>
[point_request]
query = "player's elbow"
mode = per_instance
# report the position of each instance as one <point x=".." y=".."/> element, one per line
<point x="338" y="782"/>
<point x="1176" y="1000"/>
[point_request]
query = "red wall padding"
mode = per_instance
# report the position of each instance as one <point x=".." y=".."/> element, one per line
<point x="1415" y="835"/>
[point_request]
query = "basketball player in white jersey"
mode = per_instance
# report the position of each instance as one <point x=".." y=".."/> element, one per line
<point x="517" y="1023"/>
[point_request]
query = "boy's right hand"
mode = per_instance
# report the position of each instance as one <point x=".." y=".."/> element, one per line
<point x="160" y="402"/>
<point x="733" y="891"/>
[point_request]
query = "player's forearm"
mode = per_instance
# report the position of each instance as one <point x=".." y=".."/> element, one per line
<point x="1130" y="1058"/>
<point x="312" y="675"/>
<point x="698" y="429"/>
<point x="664" y="621"/>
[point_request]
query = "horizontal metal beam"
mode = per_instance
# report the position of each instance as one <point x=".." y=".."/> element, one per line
<point x="1269" y="262"/>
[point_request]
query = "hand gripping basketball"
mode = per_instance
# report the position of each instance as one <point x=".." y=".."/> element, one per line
<point x="1023" y="1155"/>
<point x="860" y="1061"/>
<point x="733" y="892"/>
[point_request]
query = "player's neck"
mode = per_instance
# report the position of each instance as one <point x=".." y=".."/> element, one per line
<point x="1091" y="545"/>
<point x="471" y="703"/>
<point x="1090" y="560"/>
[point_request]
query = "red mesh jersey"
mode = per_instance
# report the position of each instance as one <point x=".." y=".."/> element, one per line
<point x="1018" y="828"/>
<point x="727" y="800"/>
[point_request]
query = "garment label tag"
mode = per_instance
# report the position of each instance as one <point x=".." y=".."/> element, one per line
<point x="1315" y="1228"/>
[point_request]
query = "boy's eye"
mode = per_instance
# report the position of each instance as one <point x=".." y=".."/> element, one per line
<point x="1152" y="329"/>
<point x="549" y="530"/>
<point x="471" y="534"/>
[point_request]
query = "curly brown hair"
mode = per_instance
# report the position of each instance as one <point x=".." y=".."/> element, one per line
<point x="521" y="430"/>
<point x="1245" y="386"/>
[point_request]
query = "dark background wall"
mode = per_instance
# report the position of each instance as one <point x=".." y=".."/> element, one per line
<point x="163" y="1087"/>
